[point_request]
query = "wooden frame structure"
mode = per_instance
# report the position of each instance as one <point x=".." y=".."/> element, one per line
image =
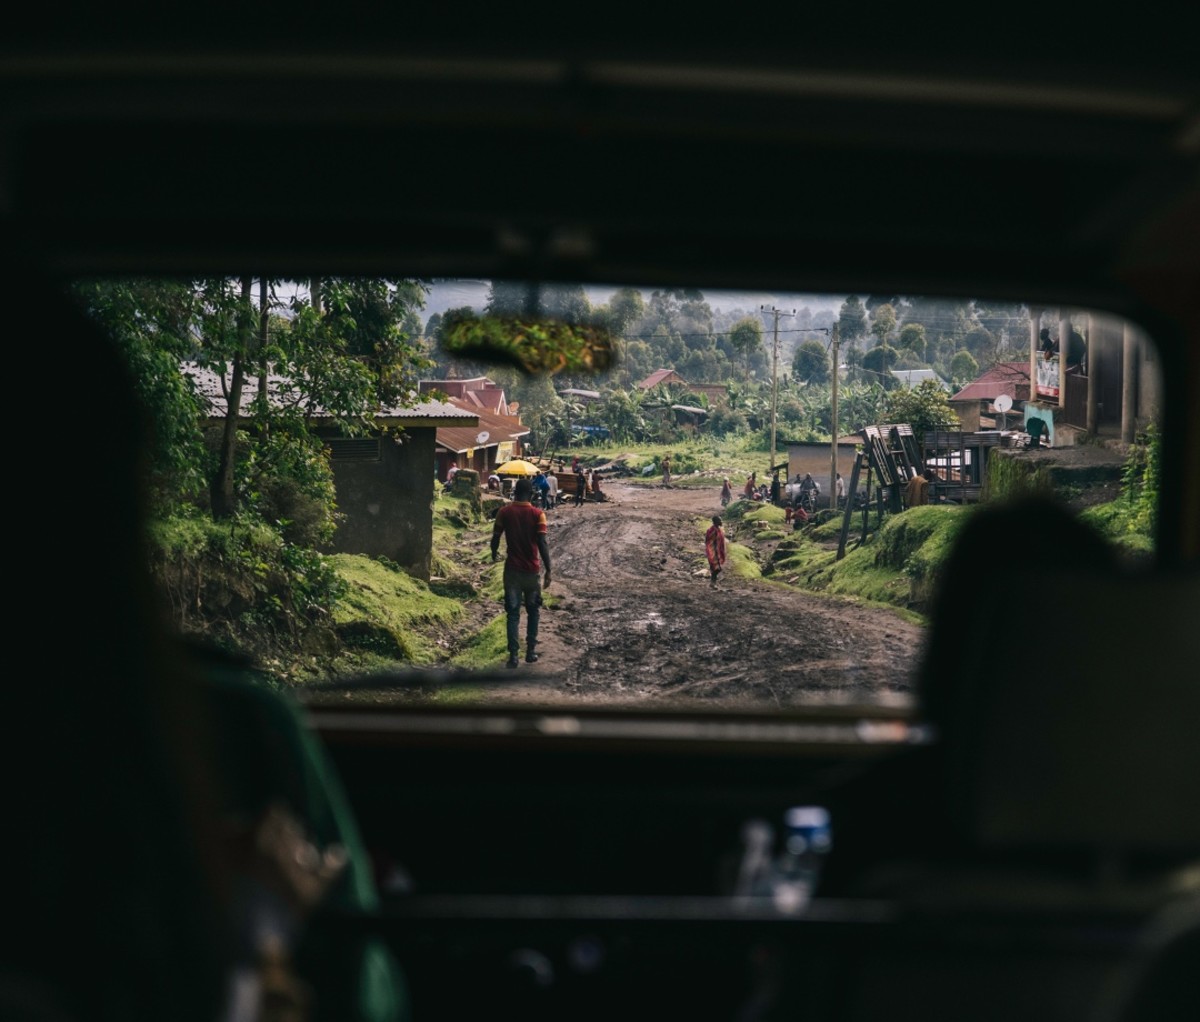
<point x="891" y="454"/>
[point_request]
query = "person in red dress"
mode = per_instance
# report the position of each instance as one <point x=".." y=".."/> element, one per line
<point x="714" y="549"/>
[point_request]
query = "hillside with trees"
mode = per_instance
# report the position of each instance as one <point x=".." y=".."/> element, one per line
<point x="735" y="347"/>
<point x="242" y="506"/>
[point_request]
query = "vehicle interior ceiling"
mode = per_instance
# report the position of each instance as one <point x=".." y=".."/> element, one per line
<point x="572" y="861"/>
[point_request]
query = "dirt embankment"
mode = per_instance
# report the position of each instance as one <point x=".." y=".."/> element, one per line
<point x="635" y="621"/>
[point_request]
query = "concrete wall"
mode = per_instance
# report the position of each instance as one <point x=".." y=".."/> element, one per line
<point x="968" y="415"/>
<point x="814" y="458"/>
<point x="388" y="501"/>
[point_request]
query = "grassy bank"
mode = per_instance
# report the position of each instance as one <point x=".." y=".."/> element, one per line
<point x="696" y="462"/>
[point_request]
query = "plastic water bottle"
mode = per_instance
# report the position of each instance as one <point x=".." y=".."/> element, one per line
<point x="755" y="878"/>
<point x="807" y="840"/>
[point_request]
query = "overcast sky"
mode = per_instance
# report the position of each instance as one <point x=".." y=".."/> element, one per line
<point x="457" y="294"/>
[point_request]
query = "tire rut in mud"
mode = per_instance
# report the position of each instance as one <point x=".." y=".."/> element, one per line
<point x="636" y="620"/>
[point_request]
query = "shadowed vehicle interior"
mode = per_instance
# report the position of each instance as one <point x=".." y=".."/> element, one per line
<point x="1021" y="838"/>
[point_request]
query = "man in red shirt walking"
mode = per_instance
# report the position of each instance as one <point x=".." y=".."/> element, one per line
<point x="524" y="529"/>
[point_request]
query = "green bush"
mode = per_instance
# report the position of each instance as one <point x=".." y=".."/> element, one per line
<point x="239" y="584"/>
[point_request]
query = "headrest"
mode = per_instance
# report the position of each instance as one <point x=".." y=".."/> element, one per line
<point x="1083" y="725"/>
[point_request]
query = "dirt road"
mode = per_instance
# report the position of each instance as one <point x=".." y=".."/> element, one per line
<point x="634" y="620"/>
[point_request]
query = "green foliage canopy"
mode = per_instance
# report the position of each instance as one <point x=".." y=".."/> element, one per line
<point x="912" y="339"/>
<point x="883" y="322"/>
<point x="925" y="407"/>
<point x="963" y="368"/>
<point x="810" y="363"/>
<point x="852" y="320"/>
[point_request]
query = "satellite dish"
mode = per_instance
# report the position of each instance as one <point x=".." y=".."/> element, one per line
<point x="1003" y="402"/>
<point x="481" y="438"/>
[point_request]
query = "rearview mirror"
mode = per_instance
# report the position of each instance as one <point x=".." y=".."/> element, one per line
<point x="532" y="345"/>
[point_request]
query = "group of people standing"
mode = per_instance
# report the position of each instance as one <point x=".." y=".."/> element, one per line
<point x="585" y="482"/>
<point x="545" y="490"/>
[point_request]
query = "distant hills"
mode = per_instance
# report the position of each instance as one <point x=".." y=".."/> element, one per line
<point x="463" y="293"/>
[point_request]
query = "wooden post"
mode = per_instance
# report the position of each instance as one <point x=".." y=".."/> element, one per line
<point x="1128" y="384"/>
<point x="833" y="414"/>
<point x="851" y="491"/>
<point x="1064" y="338"/>
<point x="1093" y="390"/>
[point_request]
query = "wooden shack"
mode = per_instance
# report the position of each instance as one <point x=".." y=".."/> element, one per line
<point x="960" y="462"/>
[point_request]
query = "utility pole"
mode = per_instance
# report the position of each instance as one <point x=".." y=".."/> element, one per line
<point x="774" y="377"/>
<point x="833" y="427"/>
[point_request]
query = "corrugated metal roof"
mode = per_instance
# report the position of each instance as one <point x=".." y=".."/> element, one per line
<point x="1011" y="378"/>
<point x="477" y="392"/>
<point x="281" y="391"/>
<point x="500" y="429"/>
<point x="657" y="377"/>
<point x="910" y="377"/>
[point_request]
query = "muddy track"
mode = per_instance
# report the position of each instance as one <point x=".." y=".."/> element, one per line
<point x="634" y="620"/>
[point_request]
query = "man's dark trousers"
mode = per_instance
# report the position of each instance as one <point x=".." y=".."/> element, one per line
<point x="522" y="587"/>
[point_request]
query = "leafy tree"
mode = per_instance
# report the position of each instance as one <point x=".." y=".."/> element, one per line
<point x="883" y="323"/>
<point x="852" y="358"/>
<point x="1008" y="324"/>
<point x="153" y="322"/>
<point x="624" y="308"/>
<point x="790" y="411"/>
<point x="963" y="368"/>
<point x="859" y="405"/>
<point x="668" y="305"/>
<point x="505" y="298"/>
<point x="445" y="362"/>
<point x="540" y="404"/>
<point x="981" y="344"/>
<point x="746" y="336"/>
<point x="703" y="366"/>
<point x="925" y="407"/>
<point x="852" y="321"/>
<point x="568" y="303"/>
<point x="722" y="421"/>
<point x="662" y="309"/>
<point x="943" y="319"/>
<point x="912" y="339"/>
<point x="637" y="361"/>
<point x="696" y="314"/>
<point x="622" y="413"/>
<point x="810" y="363"/>
<point x="873" y="302"/>
<point x="879" y="361"/>
<point x="339" y="357"/>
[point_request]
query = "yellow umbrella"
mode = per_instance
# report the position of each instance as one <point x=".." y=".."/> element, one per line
<point x="517" y="467"/>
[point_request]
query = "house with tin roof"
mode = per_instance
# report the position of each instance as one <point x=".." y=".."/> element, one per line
<point x="477" y="393"/>
<point x="661" y="378"/>
<point x="668" y="377"/>
<point x="493" y="438"/>
<point x="384" y="481"/>
<point x="975" y="403"/>
<point x="915" y="377"/>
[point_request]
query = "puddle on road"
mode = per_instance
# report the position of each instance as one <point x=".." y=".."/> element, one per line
<point x="652" y="622"/>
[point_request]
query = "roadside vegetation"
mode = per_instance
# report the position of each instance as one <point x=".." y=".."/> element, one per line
<point x="241" y="506"/>
<point x="382" y="618"/>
